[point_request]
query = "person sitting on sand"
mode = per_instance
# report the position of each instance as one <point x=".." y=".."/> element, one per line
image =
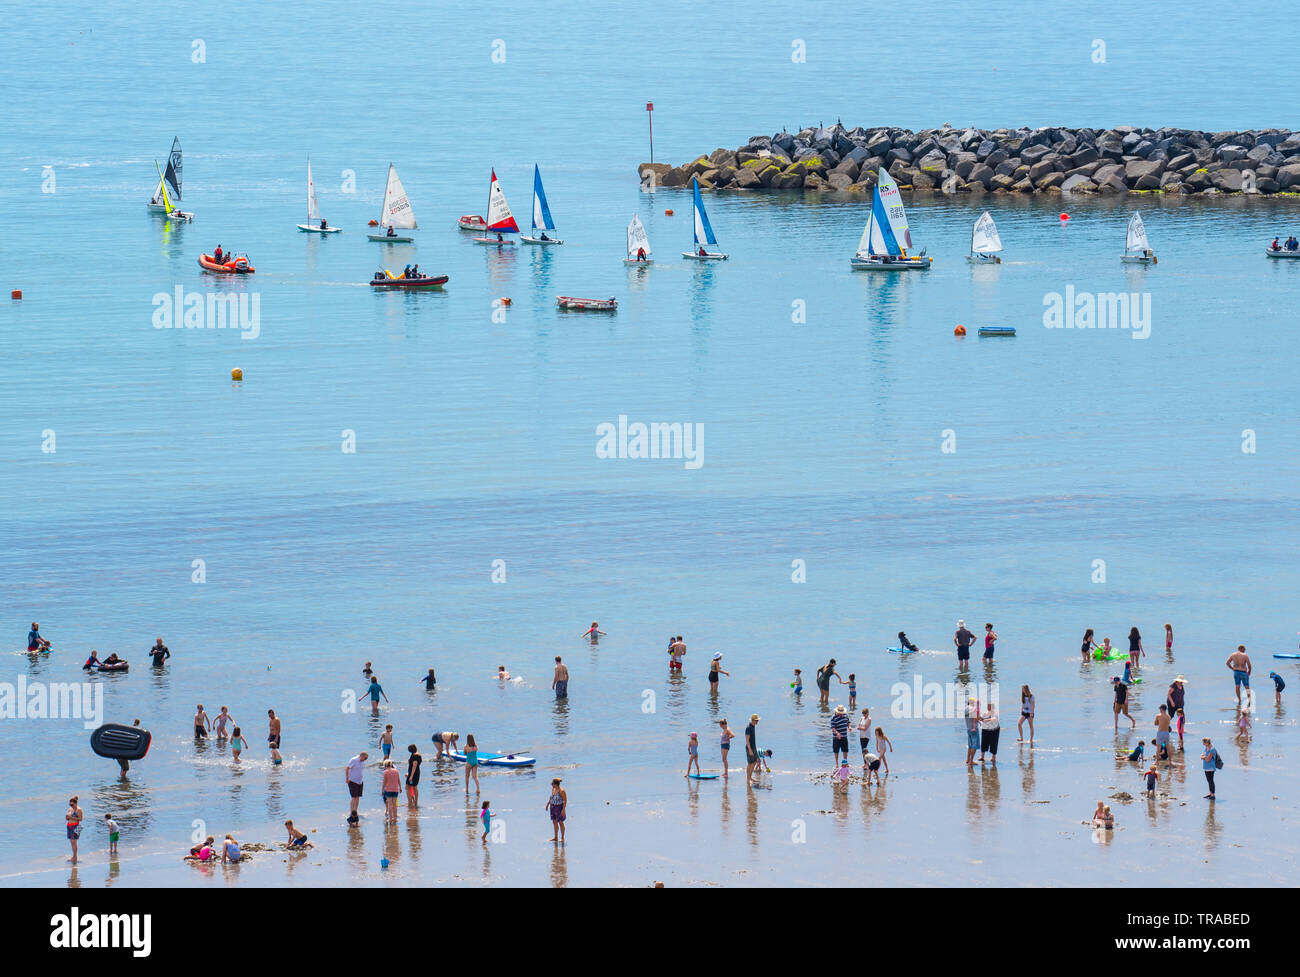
<point x="1099" y="814"/>
<point x="230" y="851"/>
<point x="1138" y="750"/>
<point x="296" y="838"/>
<point x="203" y="852"/>
<point x="1107" y="819"/>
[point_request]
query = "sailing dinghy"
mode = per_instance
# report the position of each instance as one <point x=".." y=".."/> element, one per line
<point x="541" y="215"/>
<point x="315" y="223"/>
<point x="886" y="238"/>
<point x="169" y="211"/>
<point x="984" y="242"/>
<point x="169" y="181"/>
<point x="499" y="219"/>
<point x="397" y="214"/>
<point x="638" y="245"/>
<point x="704" y="237"/>
<point x="1137" y="249"/>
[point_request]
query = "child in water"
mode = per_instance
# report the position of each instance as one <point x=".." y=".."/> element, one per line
<point x="842" y="774"/>
<point x="1243" y="726"/>
<point x="1152" y="778"/>
<point x="237" y="744"/>
<point x="693" y="753"/>
<point x="797" y="684"/>
<point x="485" y="813"/>
<point x="113" y="834"/>
<point x="1136" y="755"/>
<point x="1278" y="686"/>
<point x="883" y="746"/>
<point x="872" y="767"/>
<point x="1182" y="721"/>
<point x="1099" y="815"/>
<point x="386" y="740"/>
<point x="276" y="759"/>
<point x="853" y="690"/>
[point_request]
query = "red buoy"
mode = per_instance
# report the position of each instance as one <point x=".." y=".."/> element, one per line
<point x="1064" y="218"/>
<point x="960" y="330"/>
<point x="17" y="293"/>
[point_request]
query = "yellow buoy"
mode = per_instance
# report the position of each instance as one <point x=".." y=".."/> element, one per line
<point x="237" y="374"/>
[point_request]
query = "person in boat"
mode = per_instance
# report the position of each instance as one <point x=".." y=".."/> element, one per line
<point x="500" y="239"/>
<point x="406" y="272"/>
<point x="1292" y="244"/>
<point x="543" y="237"/>
<point x="640" y="254"/>
<point x="702" y="253"/>
<point x="415" y="272"/>
<point x="390" y="232"/>
<point x="324" y="224"/>
<point x="379" y="276"/>
<point x="216" y="255"/>
<point x="1273" y="246"/>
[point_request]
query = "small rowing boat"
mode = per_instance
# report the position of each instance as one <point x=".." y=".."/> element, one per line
<point x="704" y="236"/>
<point x="573" y="304"/>
<point x="230" y="266"/>
<point x="1281" y="253"/>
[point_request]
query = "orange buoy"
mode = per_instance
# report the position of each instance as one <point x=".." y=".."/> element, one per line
<point x="1064" y="218"/>
<point x="372" y="223"/>
<point x="960" y="330"/>
<point x="505" y="301"/>
<point x="668" y="213"/>
<point x="237" y="374"/>
<point x="17" y="293"/>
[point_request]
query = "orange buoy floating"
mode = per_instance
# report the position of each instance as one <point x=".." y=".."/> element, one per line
<point x="372" y="223"/>
<point x="16" y="294"/>
<point x="1064" y="218"/>
<point x="668" y="213"/>
<point x="237" y="374"/>
<point x="960" y="330"/>
<point x="505" y="301"/>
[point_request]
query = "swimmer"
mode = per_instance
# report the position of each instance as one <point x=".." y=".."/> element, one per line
<point x="386" y="740"/>
<point x="1121" y="701"/>
<point x="852" y="683"/>
<point x="593" y="632"/>
<point x="430" y="681"/>
<point x="219" y="724"/>
<point x="1239" y="662"/>
<point x="237" y="744"/>
<point x="1098" y="816"/>
<point x="1243" y="726"/>
<point x="74" y="817"/>
<point x="375" y="691"/>
<point x="201" y="723"/>
<point x="884" y="745"/>
<point x="502" y="673"/>
<point x="366" y="670"/>
<point x="693" y="753"/>
<point x="727" y="737"/>
<point x="392" y="788"/>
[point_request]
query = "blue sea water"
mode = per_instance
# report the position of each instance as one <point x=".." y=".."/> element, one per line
<point x="476" y="439"/>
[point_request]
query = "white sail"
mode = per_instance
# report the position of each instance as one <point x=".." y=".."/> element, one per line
<point x="313" y="208"/>
<point x="499" y="218"/>
<point x="984" y="236"/>
<point x="1136" y="241"/>
<point x="397" y="210"/>
<point x="872" y="240"/>
<point x="636" y="238"/>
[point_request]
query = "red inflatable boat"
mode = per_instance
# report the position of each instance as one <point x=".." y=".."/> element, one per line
<point x="232" y="266"/>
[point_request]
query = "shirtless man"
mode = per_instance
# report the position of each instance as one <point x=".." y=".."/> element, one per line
<point x="201" y="723"/>
<point x="273" y="733"/>
<point x="1162" y="732"/>
<point x="1239" y="662"/>
<point x="444" y="741"/>
<point x="678" y="650"/>
<point x="560" y="683"/>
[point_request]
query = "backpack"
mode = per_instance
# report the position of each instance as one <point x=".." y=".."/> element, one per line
<point x="1218" y="761"/>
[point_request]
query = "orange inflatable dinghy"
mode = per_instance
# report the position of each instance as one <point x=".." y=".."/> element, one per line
<point x="234" y="266"/>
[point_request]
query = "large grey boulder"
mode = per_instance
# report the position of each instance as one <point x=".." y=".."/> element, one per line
<point x="981" y="174"/>
<point x="1288" y="176"/>
<point x="1079" y="182"/>
<point x="1138" y="168"/>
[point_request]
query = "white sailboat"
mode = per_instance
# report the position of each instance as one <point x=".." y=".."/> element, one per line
<point x="1137" y="249"/>
<point x="704" y="237"/>
<point x="499" y="219"/>
<point x="315" y="223"/>
<point x="984" y="242"/>
<point x="887" y="237"/>
<point x="170" y="181"/>
<point x="638" y="245"/>
<point x="397" y="214"/>
<point x="170" y="212"/>
<point x="541" y="215"/>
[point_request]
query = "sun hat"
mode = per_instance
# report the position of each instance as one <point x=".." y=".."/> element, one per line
<point x="1180" y="680"/>
<point x="753" y="717"/>
<point x="717" y="656"/>
<point x="839" y="708"/>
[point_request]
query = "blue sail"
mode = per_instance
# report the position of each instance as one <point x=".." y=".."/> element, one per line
<point x="881" y="219"/>
<point x="702" y="225"/>
<point x="541" y="212"/>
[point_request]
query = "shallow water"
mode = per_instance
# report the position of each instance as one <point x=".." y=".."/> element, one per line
<point x="476" y="442"/>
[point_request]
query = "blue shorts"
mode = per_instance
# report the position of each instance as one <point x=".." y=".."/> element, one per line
<point x="1240" y="677"/>
<point x="973" y="739"/>
<point x="1162" y="736"/>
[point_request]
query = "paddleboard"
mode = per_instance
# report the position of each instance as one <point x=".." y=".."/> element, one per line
<point x="902" y="651"/>
<point x="703" y="776"/>
<point x="497" y="759"/>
